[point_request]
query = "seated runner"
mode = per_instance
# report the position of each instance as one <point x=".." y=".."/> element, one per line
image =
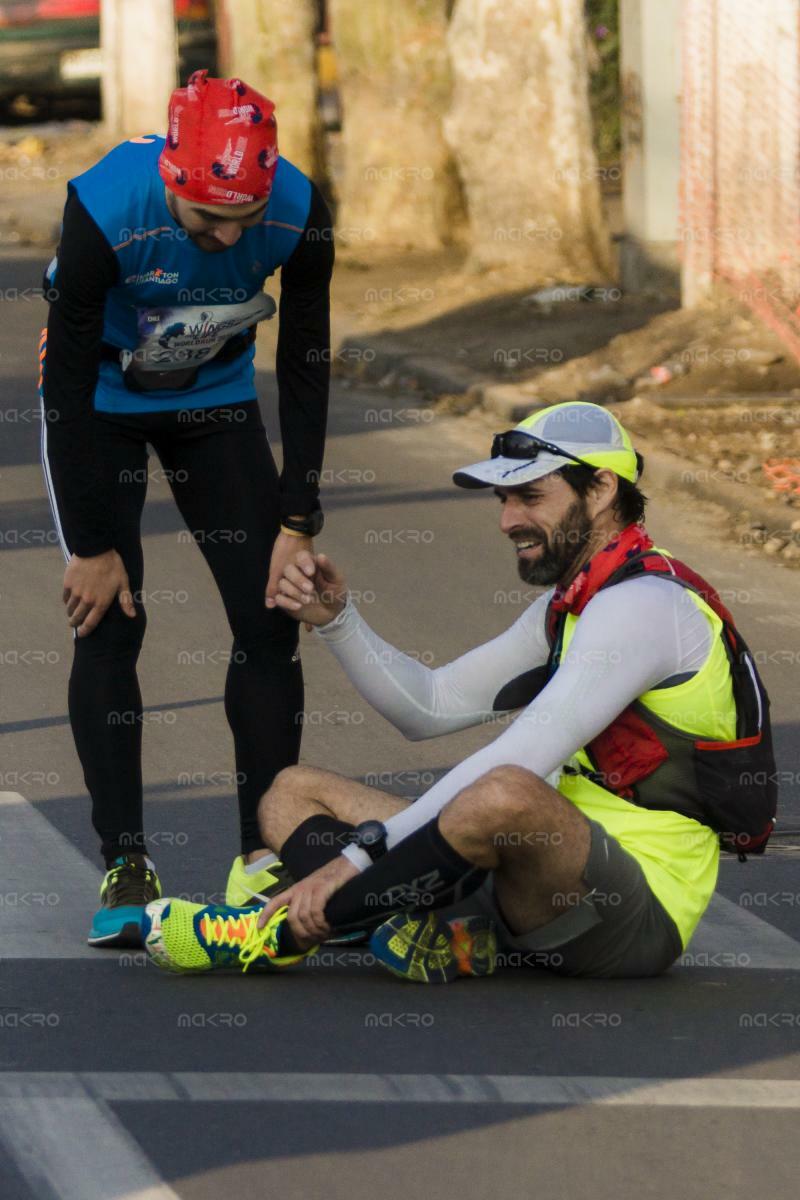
<point x="587" y="833"/>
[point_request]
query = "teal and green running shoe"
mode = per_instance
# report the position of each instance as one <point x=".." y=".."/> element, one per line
<point x="129" y="884"/>
<point x="426" y="948"/>
<point x="181" y="936"/>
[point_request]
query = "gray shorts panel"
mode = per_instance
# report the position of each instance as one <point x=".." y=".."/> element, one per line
<point x="619" y="929"/>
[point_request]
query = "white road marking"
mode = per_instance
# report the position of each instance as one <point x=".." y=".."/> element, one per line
<point x="65" y="1092"/>
<point x="68" y="1144"/>
<point x="48" y="889"/>
<point x="74" y="1148"/>
<point x="732" y="936"/>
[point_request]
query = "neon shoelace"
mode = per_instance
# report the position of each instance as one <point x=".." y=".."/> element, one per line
<point x="261" y="941"/>
<point x="244" y="933"/>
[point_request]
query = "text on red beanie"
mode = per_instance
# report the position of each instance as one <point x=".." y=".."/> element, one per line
<point x="222" y="142"/>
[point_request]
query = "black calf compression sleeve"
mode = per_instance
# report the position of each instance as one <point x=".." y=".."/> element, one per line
<point x="315" y="842"/>
<point x="422" y="871"/>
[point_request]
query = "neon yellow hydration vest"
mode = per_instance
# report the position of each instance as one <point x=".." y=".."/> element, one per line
<point x="679" y="856"/>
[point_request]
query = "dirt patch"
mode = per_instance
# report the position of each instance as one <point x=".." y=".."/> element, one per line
<point x="35" y="164"/>
<point x="489" y="322"/>
<point x="606" y="347"/>
<point x="749" y="442"/>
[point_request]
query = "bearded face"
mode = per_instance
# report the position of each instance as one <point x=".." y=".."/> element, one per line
<point x="545" y="557"/>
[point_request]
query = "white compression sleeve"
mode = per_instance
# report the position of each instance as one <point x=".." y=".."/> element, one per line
<point x="422" y="702"/>
<point x="628" y="640"/>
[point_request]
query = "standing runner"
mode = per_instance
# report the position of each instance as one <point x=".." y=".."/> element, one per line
<point x="156" y="293"/>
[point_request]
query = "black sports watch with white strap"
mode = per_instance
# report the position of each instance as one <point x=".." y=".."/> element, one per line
<point x="370" y="836"/>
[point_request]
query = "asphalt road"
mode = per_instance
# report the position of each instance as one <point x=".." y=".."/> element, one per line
<point x="117" y="1080"/>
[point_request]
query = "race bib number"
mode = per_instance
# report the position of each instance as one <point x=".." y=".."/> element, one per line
<point x="189" y="336"/>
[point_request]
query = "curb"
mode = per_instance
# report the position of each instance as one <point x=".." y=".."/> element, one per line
<point x="381" y="361"/>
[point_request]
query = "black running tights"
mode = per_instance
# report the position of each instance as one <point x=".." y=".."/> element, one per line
<point x="224" y="480"/>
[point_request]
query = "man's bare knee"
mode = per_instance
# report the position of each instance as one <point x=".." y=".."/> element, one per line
<point x="509" y="811"/>
<point x="502" y="799"/>
<point x="501" y="795"/>
<point x="278" y="807"/>
<point x="292" y="784"/>
<point x="299" y="780"/>
<point x="300" y="792"/>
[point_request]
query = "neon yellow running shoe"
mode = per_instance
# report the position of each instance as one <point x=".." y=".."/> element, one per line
<point x="181" y="936"/>
<point x="426" y="948"/>
<point x="245" y="887"/>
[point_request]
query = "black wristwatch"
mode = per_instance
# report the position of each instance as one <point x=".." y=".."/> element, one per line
<point x="370" y="836"/>
<point x="309" y="525"/>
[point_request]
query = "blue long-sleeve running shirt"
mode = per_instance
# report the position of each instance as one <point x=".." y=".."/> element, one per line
<point x="127" y="277"/>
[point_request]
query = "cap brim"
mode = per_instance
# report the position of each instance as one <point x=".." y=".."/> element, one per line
<point x="507" y="472"/>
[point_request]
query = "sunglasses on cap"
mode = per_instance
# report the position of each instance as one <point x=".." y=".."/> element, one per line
<point x="515" y="443"/>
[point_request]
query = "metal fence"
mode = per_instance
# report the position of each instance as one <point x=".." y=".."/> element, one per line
<point x="740" y="156"/>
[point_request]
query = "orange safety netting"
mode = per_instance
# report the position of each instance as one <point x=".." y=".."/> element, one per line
<point x="783" y="474"/>
<point x="740" y="156"/>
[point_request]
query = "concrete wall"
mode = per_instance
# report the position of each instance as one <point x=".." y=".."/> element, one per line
<point x="650" y="85"/>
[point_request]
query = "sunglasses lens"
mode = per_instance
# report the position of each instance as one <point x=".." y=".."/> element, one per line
<point x="515" y="444"/>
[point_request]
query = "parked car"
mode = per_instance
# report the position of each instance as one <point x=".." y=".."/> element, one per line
<point x="50" y="49"/>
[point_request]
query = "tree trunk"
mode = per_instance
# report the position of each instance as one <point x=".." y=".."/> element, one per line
<point x="140" y="53"/>
<point x="398" y="184"/>
<point x="521" y="130"/>
<point x="270" y="45"/>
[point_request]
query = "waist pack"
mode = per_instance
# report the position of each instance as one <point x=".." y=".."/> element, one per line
<point x="178" y="379"/>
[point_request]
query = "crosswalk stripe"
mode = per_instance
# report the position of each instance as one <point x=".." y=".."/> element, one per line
<point x="47" y="888"/>
<point x="38" y="920"/>
<point x="69" y="1089"/>
<point x="76" y="1148"/>
<point x="732" y="936"/>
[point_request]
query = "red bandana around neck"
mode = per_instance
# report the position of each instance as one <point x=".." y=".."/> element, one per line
<point x="626" y="544"/>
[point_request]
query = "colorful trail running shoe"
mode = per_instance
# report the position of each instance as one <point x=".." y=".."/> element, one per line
<point x="129" y="884"/>
<point x="181" y="936"/>
<point x="429" y="949"/>
<point x="244" y="888"/>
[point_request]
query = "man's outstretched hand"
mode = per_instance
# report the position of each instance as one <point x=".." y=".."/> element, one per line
<point x="306" y="901"/>
<point x="312" y="589"/>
